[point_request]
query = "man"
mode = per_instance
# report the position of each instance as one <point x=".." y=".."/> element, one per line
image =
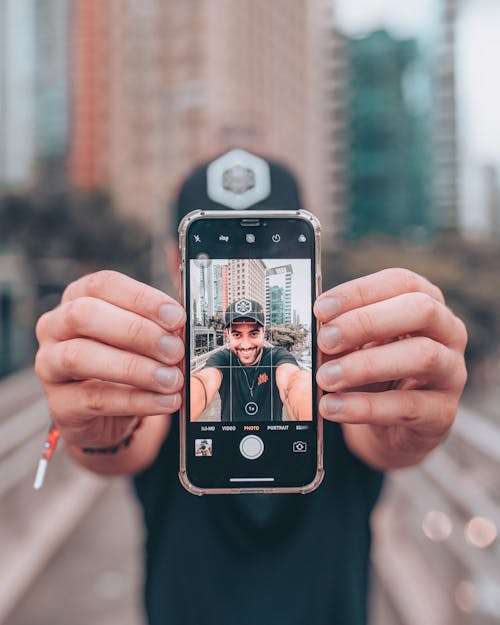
<point x="393" y="374"/>
<point x="253" y="380"/>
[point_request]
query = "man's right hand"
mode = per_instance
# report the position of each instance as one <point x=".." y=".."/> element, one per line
<point x="108" y="354"/>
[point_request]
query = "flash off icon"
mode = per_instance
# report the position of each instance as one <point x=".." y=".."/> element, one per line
<point x="250" y="238"/>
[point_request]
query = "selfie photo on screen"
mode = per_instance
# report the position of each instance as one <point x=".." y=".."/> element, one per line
<point x="250" y="340"/>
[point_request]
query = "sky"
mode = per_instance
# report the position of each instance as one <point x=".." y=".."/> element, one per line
<point x="477" y="83"/>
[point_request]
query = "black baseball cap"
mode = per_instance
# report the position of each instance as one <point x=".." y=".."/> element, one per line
<point x="238" y="179"/>
<point x="244" y="310"/>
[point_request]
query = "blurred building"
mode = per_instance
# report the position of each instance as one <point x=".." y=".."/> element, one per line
<point x="17" y="109"/>
<point x="52" y="75"/>
<point x="491" y="179"/>
<point x="389" y="171"/>
<point x="160" y="85"/>
<point x="441" y="59"/>
<point x="400" y="125"/>
<point x="34" y="79"/>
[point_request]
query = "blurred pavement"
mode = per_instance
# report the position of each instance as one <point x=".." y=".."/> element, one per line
<point x="95" y="578"/>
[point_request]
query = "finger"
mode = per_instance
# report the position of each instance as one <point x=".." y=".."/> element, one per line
<point x="96" y="319"/>
<point x="81" y="359"/>
<point x="130" y="294"/>
<point x="429" y="412"/>
<point x="409" y="313"/>
<point x="95" y="398"/>
<point x="370" y="289"/>
<point x="428" y="362"/>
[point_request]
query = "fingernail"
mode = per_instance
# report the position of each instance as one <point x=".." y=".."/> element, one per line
<point x="168" y="401"/>
<point x="171" y="346"/>
<point x="167" y="377"/>
<point x="329" y="337"/>
<point x="329" y="375"/>
<point x="330" y="405"/>
<point x="171" y="315"/>
<point x="328" y="307"/>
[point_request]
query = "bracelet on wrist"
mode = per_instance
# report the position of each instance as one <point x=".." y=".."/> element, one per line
<point x="114" y="449"/>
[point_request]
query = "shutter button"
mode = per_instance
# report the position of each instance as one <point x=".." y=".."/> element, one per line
<point x="251" y="447"/>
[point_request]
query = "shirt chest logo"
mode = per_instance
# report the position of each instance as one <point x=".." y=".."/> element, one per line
<point x="262" y="379"/>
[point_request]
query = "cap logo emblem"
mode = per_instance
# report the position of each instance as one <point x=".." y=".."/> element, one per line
<point x="243" y="307"/>
<point x="238" y="179"/>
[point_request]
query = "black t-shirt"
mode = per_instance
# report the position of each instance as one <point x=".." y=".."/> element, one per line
<point x="250" y="393"/>
<point x="258" y="559"/>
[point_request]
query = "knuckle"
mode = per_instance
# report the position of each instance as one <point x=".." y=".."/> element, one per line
<point x="411" y="411"/>
<point x="135" y="330"/>
<point x="40" y="363"/>
<point x="359" y="292"/>
<point x="74" y="314"/>
<point x="364" y="411"/>
<point x="41" y="327"/>
<point x="140" y="296"/>
<point x="428" y="307"/>
<point x="430" y="352"/>
<point x="131" y="400"/>
<point x="366" y="324"/>
<point x="95" y="399"/>
<point x="462" y="334"/>
<point x="407" y="278"/>
<point x="366" y="365"/>
<point x="70" y="356"/>
<point x="68" y="291"/>
<point x="447" y="414"/>
<point x="438" y="294"/>
<point x="130" y="367"/>
<point x="461" y="374"/>
<point x="98" y="282"/>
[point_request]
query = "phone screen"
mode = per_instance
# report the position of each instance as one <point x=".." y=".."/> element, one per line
<point x="250" y="392"/>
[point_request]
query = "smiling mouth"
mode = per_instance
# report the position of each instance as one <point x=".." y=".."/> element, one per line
<point x="245" y="353"/>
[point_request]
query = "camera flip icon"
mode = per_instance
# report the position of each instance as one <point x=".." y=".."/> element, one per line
<point x="299" y="447"/>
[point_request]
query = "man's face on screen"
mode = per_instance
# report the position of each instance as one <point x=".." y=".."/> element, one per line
<point x="246" y="340"/>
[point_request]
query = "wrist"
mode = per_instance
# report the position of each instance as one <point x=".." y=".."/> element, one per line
<point x="132" y="459"/>
<point x="124" y="442"/>
<point x="386" y="448"/>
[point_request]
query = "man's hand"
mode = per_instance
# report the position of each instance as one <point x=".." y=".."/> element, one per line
<point x="108" y="354"/>
<point x="395" y="365"/>
<point x="295" y="390"/>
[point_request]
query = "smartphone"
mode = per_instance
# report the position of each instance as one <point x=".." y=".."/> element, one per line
<point x="249" y="422"/>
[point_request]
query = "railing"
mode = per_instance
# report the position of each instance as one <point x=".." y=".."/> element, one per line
<point x="33" y="526"/>
<point x="436" y="554"/>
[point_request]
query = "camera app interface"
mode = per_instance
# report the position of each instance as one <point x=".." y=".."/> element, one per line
<point x="250" y="340"/>
<point x="250" y="385"/>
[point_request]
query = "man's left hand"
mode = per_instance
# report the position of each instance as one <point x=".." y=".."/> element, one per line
<point x="393" y="367"/>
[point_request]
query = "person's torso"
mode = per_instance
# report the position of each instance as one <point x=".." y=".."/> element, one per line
<point x="248" y="559"/>
<point x="250" y="393"/>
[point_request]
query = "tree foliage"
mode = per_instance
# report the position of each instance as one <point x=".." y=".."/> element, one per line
<point x="286" y="335"/>
<point x="83" y="227"/>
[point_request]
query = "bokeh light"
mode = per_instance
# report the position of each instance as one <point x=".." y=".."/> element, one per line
<point x="480" y="532"/>
<point x="466" y="596"/>
<point x="437" y="526"/>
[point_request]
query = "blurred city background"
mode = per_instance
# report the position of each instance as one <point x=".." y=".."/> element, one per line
<point x="388" y="113"/>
